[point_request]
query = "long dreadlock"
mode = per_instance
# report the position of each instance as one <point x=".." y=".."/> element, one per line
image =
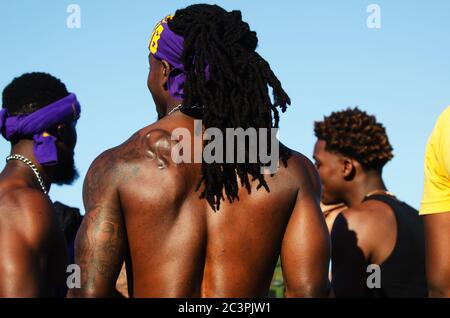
<point x="235" y="96"/>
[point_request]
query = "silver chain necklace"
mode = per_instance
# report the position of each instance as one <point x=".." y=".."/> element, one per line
<point x="181" y="105"/>
<point x="174" y="110"/>
<point x="30" y="164"/>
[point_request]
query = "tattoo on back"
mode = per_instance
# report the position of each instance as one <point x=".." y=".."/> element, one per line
<point x="158" y="145"/>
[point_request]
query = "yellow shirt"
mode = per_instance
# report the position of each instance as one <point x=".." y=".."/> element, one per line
<point x="436" y="193"/>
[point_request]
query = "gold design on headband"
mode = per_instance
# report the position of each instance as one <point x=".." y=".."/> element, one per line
<point x="156" y="35"/>
<point x="167" y="19"/>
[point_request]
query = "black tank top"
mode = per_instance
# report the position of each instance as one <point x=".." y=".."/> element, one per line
<point x="403" y="272"/>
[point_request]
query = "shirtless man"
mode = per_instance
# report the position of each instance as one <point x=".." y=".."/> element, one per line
<point x="38" y="119"/>
<point x="170" y="222"/>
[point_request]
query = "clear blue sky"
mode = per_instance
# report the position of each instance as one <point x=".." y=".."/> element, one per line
<point x="322" y="51"/>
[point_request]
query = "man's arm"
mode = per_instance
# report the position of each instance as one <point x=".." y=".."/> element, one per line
<point x="437" y="238"/>
<point x="348" y="259"/>
<point x="305" y="251"/>
<point x="24" y="260"/>
<point x="101" y="241"/>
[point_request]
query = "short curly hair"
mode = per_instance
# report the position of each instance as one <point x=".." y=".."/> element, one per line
<point x="32" y="91"/>
<point x="358" y="135"/>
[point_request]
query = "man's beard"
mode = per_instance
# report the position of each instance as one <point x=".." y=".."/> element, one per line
<point x="66" y="172"/>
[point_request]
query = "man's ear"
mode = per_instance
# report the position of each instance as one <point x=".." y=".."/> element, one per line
<point x="166" y="69"/>
<point x="348" y="168"/>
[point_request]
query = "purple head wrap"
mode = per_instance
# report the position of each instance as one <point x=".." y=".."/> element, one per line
<point x="36" y="124"/>
<point x="168" y="46"/>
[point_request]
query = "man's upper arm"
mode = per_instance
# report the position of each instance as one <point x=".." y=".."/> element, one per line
<point x="437" y="233"/>
<point x="100" y="243"/>
<point x="305" y="249"/>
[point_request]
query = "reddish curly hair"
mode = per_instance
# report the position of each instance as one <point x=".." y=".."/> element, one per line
<point x="358" y="135"/>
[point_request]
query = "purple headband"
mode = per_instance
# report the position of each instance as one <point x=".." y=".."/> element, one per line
<point x="168" y="46"/>
<point x="36" y="124"/>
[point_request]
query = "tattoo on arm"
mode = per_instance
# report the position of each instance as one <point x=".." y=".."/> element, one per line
<point x="101" y="240"/>
<point x="100" y="249"/>
<point x="97" y="180"/>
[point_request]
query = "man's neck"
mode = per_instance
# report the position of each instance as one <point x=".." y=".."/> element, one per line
<point x="369" y="183"/>
<point x="172" y="105"/>
<point x="25" y="149"/>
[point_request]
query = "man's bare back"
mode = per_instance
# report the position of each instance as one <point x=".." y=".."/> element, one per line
<point x="143" y="208"/>
<point x="33" y="250"/>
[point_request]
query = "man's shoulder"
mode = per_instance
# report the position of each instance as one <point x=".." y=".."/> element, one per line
<point x="119" y="155"/>
<point x="369" y="216"/>
<point x="365" y="209"/>
<point x="445" y="116"/>
<point x="440" y="137"/>
<point x="118" y="163"/>
<point x="28" y="212"/>
<point x="294" y="159"/>
<point x="137" y="145"/>
<point x="300" y="168"/>
<point x="25" y="199"/>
